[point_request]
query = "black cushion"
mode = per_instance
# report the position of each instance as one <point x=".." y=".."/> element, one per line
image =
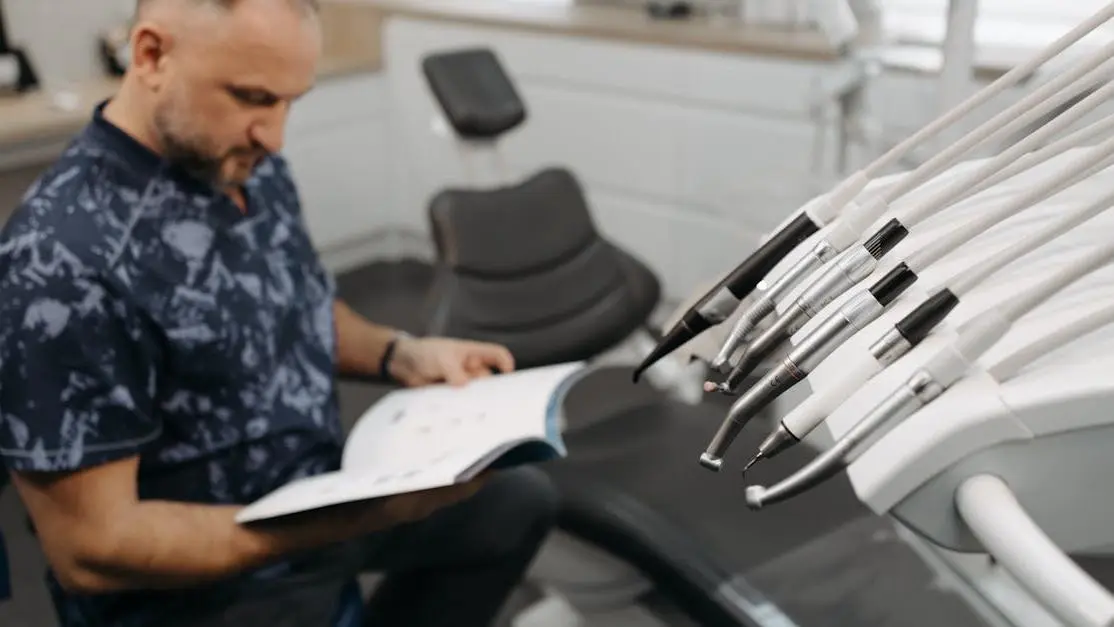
<point x="475" y="92"/>
<point x="524" y="266"/>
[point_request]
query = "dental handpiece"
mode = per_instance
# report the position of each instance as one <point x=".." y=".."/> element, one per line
<point x="869" y="304"/>
<point x="859" y="368"/>
<point x="927" y="383"/>
<point x="956" y="191"/>
<point x="821" y="211"/>
<point x="798" y="314"/>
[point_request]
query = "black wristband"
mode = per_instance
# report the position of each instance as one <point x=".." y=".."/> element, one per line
<point x="388" y="354"/>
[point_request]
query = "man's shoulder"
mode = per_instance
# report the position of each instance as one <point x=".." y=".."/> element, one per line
<point x="75" y="215"/>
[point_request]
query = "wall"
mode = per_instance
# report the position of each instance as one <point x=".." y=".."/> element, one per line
<point x="61" y="35"/>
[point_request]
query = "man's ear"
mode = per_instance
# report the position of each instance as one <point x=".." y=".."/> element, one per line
<point x="149" y="45"/>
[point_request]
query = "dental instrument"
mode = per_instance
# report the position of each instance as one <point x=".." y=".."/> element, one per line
<point x="902" y="337"/>
<point x="956" y="191"/>
<point x="859" y="263"/>
<point x="720" y="302"/>
<point x="948" y="365"/>
<point x="868" y="305"/>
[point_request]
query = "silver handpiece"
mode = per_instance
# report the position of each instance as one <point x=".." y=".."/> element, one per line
<point x="847" y="270"/>
<point x="821" y="254"/>
<point x="917" y="392"/>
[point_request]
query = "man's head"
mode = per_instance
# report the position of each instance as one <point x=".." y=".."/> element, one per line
<point x="218" y="77"/>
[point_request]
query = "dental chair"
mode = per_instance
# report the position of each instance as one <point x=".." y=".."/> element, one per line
<point x="523" y="265"/>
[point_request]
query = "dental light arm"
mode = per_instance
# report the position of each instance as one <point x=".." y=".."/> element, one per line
<point x="727" y="294"/>
<point x="927" y="383"/>
<point x="869" y="304"/>
<point x="858" y="263"/>
<point x="860" y="367"/>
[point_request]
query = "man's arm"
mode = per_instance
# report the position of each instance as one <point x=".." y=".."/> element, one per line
<point x="77" y="381"/>
<point x="99" y="537"/>
<point x="360" y="342"/>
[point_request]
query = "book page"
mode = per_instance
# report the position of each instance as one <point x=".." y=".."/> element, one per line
<point x="442" y="426"/>
<point x="335" y="488"/>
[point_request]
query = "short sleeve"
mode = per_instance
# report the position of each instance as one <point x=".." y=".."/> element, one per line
<point x="77" y="374"/>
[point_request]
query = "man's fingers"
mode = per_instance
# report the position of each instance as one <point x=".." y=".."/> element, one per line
<point x="455" y="373"/>
<point x="497" y="356"/>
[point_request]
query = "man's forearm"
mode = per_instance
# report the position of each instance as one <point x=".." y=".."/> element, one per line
<point x="360" y="343"/>
<point x="174" y="545"/>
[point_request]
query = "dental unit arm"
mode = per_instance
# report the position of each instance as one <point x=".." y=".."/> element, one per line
<point x="721" y="301"/>
<point x="1013" y="462"/>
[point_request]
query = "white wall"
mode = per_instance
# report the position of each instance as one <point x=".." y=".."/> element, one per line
<point x="61" y="35"/>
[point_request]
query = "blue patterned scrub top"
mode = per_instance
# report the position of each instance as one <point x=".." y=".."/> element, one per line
<point x="143" y="313"/>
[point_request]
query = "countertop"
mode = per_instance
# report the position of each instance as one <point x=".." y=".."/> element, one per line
<point x="615" y="23"/>
<point x="630" y="23"/>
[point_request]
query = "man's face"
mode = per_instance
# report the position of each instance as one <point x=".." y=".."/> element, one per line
<point x="227" y="86"/>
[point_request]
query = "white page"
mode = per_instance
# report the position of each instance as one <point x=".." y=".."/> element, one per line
<point x="347" y="486"/>
<point x="428" y="425"/>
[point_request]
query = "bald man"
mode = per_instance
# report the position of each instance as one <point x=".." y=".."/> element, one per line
<point x="168" y="340"/>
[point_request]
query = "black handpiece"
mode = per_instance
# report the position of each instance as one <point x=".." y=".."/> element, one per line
<point x="882" y="242"/>
<point x="719" y="303"/>
<point x="893" y="284"/>
<point x="922" y="320"/>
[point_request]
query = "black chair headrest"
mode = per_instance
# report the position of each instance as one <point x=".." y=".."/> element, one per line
<point x="475" y="92"/>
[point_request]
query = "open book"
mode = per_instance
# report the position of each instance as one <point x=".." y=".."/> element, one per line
<point x="434" y="436"/>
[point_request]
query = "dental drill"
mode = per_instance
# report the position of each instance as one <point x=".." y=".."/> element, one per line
<point x="1018" y="158"/>
<point x="901" y="338"/>
<point x="720" y="302"/>
<point x="858" y="262"/>
<point x="861" y="366"/>
<point x="942" y="370"/>
<point x="869" y="304"/>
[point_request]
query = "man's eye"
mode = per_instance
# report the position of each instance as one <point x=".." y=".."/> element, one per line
<point x="253" y="98"/>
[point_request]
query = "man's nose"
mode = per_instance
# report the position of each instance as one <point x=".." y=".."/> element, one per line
<point x="269" y="129"/>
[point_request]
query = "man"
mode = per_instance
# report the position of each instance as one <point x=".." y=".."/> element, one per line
<point x="168" y="341"/>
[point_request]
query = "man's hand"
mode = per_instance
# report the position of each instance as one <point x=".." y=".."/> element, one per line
<point x="435" y="360"/>
<point x="415" y="506"/>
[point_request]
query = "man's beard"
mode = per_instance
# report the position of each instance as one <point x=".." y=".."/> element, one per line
<point x="195" y="156"/>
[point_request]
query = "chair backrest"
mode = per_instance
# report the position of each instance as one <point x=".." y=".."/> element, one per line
<point x="525" y="266"/>
<point x="477" y="96"/>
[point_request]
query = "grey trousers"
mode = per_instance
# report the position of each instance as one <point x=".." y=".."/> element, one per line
<point x="455" y="568"/>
